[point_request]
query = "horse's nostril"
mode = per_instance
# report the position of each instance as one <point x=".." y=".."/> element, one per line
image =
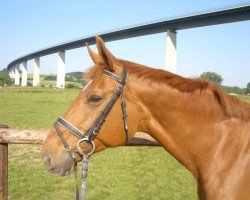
<point x="47" y="160"/>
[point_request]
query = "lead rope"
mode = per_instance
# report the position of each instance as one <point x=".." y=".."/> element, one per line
<point x="85" y="164"/>
<point x="75" y="174"/>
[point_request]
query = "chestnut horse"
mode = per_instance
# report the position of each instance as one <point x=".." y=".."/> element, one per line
<point x="201" y="126"/>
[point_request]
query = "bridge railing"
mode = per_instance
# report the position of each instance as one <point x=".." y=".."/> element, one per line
<point x="13" y="136"/>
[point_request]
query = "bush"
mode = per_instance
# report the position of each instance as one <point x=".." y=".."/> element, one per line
<point x="69" y="79"/>
<point x="5" y="79"/>
<point x="50" y="78"/>
<point x="72" y="86"/>
<point x="234" y="89"/>
<point x="75" y="75"/>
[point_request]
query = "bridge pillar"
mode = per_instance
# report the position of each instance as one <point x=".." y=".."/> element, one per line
<point x="170" y="62"/>
<point x="36" y="72"/>
<point x="60" y="80"/>
<point x="16" y="73"/>
<point x="11" y="73"/>
<point x="24" y="73"/>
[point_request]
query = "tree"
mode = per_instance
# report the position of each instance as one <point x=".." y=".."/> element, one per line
<point x="213" y="77"/>
<point x="5" y="78"/>
<point x="248" y="88"/>
<point x="248" y="85"/>
<point x="76" y="75"/>
<point x="50" y="78"/>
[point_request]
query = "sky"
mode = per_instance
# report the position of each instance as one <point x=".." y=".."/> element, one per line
<point x="30" y="25"/>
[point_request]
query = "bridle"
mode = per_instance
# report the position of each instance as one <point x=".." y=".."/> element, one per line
<point x="94" y="129"/>
<point x="89" y="136"/>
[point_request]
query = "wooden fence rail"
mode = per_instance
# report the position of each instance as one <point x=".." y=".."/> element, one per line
<point x="12" y="136"/>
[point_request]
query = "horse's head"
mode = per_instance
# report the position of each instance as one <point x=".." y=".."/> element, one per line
<point x="85" y="111"/>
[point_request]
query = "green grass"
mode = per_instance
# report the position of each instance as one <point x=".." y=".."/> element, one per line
<point x="119" y="173"/>
<point x="132" y="173"/>
<point x="28" y="180"/>
<point x="245" y="98"/>
<point x="33" y="108"/>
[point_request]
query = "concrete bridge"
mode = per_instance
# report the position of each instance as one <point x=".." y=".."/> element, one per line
<point x="170" y="26"/>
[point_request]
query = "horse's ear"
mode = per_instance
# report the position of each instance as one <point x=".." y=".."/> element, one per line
<point x="94" y="56"/>
<point x="111" y="63"/>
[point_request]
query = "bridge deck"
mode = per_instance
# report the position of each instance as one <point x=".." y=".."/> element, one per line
<point x="235" y="14"/>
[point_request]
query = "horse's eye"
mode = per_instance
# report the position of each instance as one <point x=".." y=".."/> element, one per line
<point x="94" y="99"/>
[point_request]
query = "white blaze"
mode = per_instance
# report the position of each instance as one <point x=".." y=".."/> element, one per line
<point x="87" y="85"/>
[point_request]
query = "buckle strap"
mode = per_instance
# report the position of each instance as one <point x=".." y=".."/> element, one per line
<point x="111" y="75"/>
<point x="71" y="128"/>
<point x="124" y="115"/>
<point x="121" y="80"/>
<point x="65" y="144"/>
<point x="95" y="128"/>
<point x="124" y="76"/>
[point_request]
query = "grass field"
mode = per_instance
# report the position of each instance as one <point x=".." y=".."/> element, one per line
<point x="33" y="108"/>
<point x="245" y="98"/>
<point x="120" y="173"/>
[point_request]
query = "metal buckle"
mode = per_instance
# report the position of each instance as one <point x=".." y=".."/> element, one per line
<point x="68" y="148"/>
<point x="80" y="150"/>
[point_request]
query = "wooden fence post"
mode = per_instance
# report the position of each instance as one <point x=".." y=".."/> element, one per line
<point x="3" y="171"/>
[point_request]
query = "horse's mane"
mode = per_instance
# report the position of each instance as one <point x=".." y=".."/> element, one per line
<point x="230" y="105"/>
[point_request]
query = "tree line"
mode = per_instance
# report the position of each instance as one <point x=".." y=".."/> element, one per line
<point x="217" y="80"/>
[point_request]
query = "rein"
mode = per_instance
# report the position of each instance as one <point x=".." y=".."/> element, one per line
<point x="89" y="136"/>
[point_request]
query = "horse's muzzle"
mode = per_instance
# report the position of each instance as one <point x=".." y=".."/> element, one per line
<point x="61" y="168"/>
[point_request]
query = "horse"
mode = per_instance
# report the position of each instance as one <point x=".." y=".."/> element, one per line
<point x="205" y="129"/>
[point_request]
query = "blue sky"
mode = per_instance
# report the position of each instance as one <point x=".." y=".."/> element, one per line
<point x="29" y="25"/>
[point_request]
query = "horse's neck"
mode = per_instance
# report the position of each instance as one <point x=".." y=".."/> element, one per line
<point x="178" y="121"/>
<point x="195" y="130"/>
